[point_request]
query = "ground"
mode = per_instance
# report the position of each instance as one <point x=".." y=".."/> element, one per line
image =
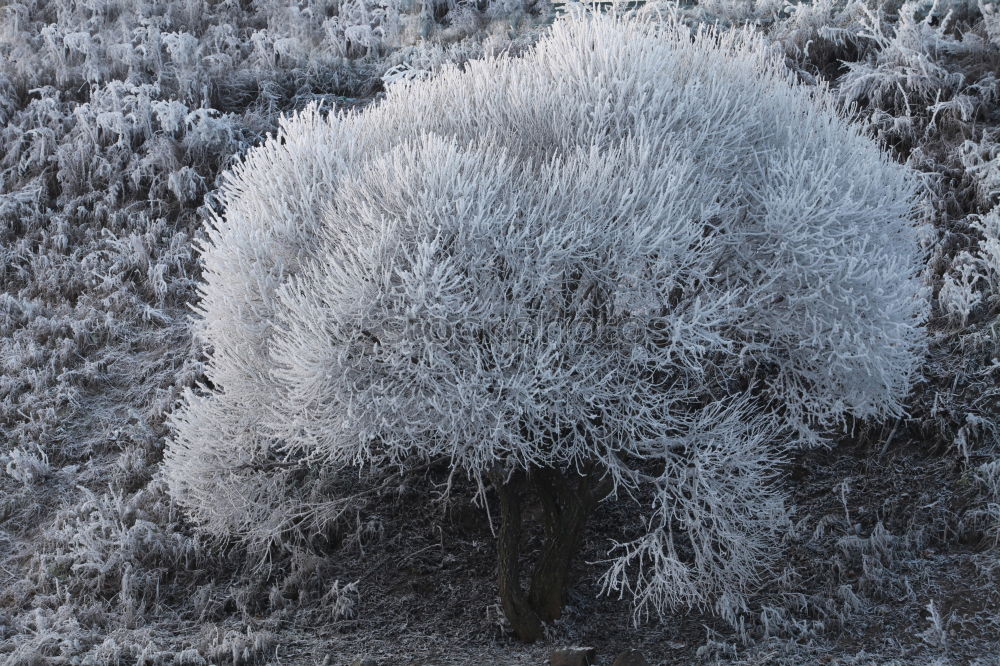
<point x="118" y="119"/>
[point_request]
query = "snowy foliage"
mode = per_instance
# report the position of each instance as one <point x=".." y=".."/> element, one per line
<point x="637" y="246"/>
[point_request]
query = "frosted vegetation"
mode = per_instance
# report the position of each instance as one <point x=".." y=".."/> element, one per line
<point x="372" y="300"/>
<point x="657" y="261"/>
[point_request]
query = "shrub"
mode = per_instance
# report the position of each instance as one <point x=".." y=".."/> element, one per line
<point x="637" y="259"/>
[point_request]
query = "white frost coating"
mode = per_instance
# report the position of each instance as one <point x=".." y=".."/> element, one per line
<point x="636" y="246"/>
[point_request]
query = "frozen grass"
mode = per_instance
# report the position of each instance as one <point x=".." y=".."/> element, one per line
<point x="117" y="119"/>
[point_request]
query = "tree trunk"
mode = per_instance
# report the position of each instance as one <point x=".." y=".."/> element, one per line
<point x="523" y="619"/>
<point x="567" y="500"/>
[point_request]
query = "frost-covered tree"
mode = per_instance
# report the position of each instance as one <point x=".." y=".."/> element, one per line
<point x="637" y="262"/>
